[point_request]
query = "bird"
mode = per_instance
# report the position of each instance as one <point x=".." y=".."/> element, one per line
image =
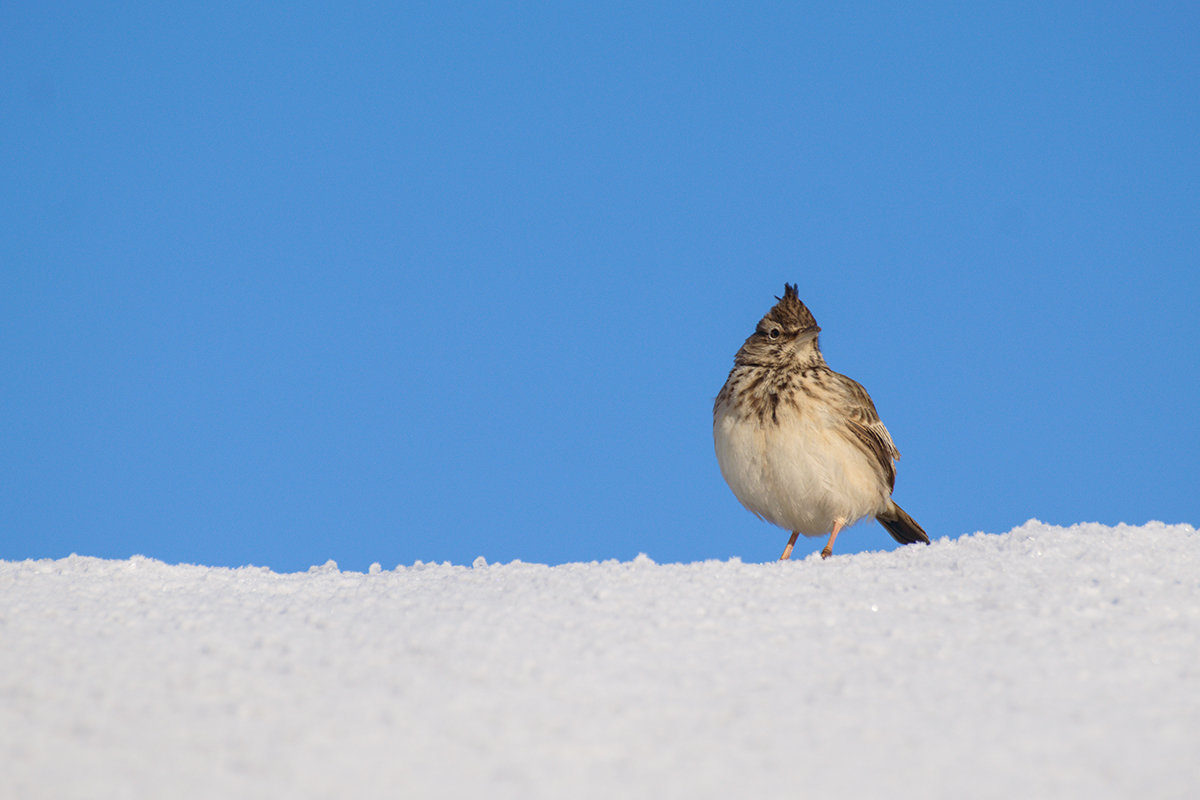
<point x="800" y="445"/>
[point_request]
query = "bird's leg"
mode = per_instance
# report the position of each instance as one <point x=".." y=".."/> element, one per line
<point x="837" y="526"/>
<point x="787" y="551"/>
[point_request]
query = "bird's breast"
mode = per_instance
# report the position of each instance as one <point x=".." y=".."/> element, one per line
<point x="794" y="468"/>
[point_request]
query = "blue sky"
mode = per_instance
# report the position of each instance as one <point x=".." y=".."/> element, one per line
<point x="283" y="284"/>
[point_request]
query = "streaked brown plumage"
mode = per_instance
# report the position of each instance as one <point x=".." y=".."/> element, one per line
<point x="800" y="445"/>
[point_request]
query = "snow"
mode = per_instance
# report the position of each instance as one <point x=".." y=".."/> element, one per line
<point x="1046" y="661"/>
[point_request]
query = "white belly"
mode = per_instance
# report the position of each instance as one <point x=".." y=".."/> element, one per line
<point x="799" y="474"/>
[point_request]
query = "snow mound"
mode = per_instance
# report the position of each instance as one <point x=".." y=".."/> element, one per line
<point x="1047" y="661"/>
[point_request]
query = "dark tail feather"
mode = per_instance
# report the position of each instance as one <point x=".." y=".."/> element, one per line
<point x="903" y="528"/>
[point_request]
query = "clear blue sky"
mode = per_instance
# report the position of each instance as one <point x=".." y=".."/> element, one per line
<point x="282" y="284"/>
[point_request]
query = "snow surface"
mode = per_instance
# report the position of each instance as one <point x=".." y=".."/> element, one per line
<point x="1045" y="662"/>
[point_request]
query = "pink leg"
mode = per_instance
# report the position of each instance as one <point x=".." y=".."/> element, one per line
<point x="837" y="526"/>
<point x="787" y="551"/>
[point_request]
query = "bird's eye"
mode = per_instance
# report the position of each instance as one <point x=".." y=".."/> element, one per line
<point x="774" y="334"/>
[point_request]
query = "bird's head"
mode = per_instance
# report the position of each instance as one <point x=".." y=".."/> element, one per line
<point x="786" y="335"/>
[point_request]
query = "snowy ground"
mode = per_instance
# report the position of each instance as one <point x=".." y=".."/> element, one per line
<point x="1045" y="662"/>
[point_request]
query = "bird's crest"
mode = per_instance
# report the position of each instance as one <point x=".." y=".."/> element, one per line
<point x="791" y="312"/>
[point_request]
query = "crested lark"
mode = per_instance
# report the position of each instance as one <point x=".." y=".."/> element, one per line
<point x="800" y="445"/>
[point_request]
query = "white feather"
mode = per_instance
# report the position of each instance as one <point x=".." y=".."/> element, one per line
<point x="799" y="473"/>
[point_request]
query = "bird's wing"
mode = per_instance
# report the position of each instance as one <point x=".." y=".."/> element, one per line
<point x="865" y="429"/>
